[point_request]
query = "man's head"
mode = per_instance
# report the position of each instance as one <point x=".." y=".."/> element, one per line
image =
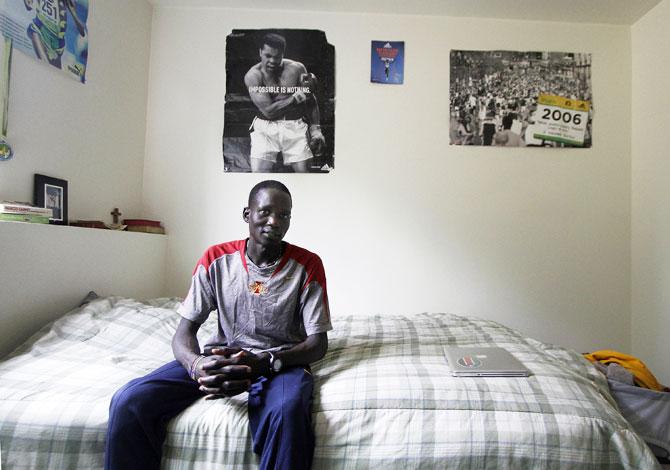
<point x="272" y="52"/>
<point x="501" y="138"/>
<point x="267" y="184"/>
<point x="268" y="213"/>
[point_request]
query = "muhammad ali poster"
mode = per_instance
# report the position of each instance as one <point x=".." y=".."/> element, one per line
<point x="279" y="114"/>
<point x="520" y="99"/>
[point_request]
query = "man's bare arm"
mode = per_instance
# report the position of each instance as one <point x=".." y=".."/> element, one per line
<point x="40" y="51"/>
<point x="185" y="344"/>
<point x="309" y="80"/>
<point x="317" y="141"/>
<point x="81" y="27"/>
<point x="302" y="354"/>
<point x="270" y="107"/>
<point x="217" y="374"/>
<point x="313" y="115"/>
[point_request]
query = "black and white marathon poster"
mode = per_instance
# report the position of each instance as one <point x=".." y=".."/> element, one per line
<point x="279" y="114"/>
<point x="520" y="99"/>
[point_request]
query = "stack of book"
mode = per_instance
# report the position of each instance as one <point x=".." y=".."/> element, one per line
<point x="88" y="223"/>
<point x="143" y="225"/>
<point x="24" y="212"/>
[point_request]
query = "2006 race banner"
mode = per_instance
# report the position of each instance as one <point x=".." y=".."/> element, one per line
<point x="562" y="120"/>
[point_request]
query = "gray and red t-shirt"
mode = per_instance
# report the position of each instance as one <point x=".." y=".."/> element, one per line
<point x="259" y="308"/>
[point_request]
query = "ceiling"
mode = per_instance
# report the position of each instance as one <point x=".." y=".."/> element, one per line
<point x="620" y="12"/>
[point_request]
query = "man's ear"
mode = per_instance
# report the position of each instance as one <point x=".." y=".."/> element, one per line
<point x="245" y="214"/>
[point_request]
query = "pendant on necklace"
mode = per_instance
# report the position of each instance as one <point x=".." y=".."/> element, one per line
<point x="257" y="288"/>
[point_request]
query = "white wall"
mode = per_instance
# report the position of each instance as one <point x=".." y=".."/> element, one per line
<point x="47" y="270"/>
<point x="91" y="135"/>
<point x="650" y="195"/>
<point x="536" y="239"/>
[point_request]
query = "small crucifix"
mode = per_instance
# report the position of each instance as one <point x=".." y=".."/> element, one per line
<point x="115" y="214"/>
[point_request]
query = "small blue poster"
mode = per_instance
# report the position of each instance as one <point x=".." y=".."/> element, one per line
<point x="387" y="62"/>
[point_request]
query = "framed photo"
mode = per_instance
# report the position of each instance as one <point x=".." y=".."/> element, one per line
<point x="52" y="194"/>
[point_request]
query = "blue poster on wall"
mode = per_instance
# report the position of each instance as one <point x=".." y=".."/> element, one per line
<point x="387" y="62"/>
<point x="53" y="31"/>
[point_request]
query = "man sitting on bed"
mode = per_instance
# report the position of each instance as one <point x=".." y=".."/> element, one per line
<point x="272" y="307"/>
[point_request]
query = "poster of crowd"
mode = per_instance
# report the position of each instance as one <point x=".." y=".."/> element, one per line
<point x="53" y="31"/>
<point x="517" y="99"/>
<point x="279" y="112"/>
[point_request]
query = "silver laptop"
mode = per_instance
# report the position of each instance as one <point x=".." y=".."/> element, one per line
<point x="484" y="362"/>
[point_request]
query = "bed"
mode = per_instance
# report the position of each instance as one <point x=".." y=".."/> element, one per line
<point x="384" y="398"/>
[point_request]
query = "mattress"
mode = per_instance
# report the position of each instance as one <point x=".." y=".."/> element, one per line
<point x="384" y="397"/>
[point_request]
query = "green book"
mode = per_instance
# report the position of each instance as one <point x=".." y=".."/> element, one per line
<point x="37" y="219"/>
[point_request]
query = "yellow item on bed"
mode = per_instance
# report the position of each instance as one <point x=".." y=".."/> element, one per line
<point x="642" y="376"/>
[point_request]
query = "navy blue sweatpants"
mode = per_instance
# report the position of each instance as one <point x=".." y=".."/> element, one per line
<point x="279" y="417"/>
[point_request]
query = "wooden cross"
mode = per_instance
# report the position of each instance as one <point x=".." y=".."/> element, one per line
<point x="115" y="214"/>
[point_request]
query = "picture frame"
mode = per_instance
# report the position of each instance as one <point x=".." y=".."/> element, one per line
<point x="51" y="193"/>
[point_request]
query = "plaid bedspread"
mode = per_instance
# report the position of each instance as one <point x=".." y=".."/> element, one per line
<point x="384" y="398"/>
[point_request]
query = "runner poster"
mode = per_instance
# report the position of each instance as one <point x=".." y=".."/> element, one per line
<point x="520" y="99"/>
<point x="53" y="31"/>
<point x="387" y="62"/>
<point x="279" y="112"/>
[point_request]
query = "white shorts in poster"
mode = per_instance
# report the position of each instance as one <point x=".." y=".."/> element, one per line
<point x="517" y="99"/>
<point x="279" y="114"/>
